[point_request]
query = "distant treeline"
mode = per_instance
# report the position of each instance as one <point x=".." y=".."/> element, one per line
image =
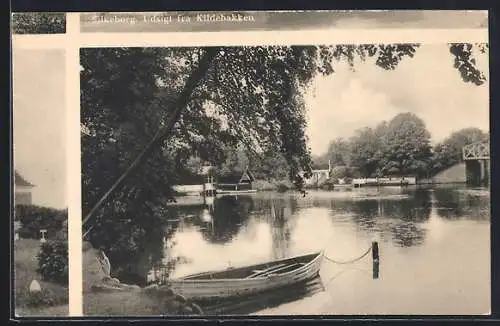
<point x="269" y="165"/>
<point x="401" y="146"/>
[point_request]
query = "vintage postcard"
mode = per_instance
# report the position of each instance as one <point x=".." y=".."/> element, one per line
<point x="277" y="163"/>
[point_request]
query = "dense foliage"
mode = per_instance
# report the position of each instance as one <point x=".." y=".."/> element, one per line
<point x="405" y="147"/>
<point x="246" y="96"/>
<point x="35" y="218"/>
<point x="38" y="23"/>
<point x="41" y="298"/>
<point x="449" y="152"/>
<point x="400" y="147"/>
<point x="268" y="165"/>
<point x="53" y="261"/>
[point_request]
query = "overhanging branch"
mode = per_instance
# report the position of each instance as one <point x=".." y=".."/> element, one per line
<point x="162" y="133"/>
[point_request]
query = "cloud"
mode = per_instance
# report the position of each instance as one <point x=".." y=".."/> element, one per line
<point x="427" y="85"/>
<point x="340" y="107"/>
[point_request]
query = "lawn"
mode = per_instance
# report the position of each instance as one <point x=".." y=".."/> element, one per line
<point x="55" y="296"/>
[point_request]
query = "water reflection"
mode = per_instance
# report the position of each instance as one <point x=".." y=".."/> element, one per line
<point x="401" y="219"/>
<point x="228" y="213"/>
<point x="282" y="225"/>
<point x="247" y="304"/>
<point x="248" y="229"/>
<point x="463" y="203"/>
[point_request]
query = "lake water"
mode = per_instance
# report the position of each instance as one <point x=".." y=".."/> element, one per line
<point x="434" y="248"/>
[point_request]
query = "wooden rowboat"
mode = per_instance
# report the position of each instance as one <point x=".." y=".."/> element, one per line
<point x="250" y="279"/>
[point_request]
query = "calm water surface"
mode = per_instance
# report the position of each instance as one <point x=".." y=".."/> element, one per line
<point x="434" y="248"/>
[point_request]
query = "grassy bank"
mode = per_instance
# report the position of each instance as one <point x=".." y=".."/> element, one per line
<point x="53" y="299"/>
<point x="104" y="297"/>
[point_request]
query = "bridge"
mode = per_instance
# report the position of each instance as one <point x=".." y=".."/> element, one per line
<point x="477" y="162"/>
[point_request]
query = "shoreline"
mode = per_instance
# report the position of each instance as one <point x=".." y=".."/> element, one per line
<point x="105" y="295"/>
<point x="198" y="199"/>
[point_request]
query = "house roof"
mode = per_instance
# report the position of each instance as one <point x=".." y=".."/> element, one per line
<point x="20" y="181"/>
<point x="235" y="177"/>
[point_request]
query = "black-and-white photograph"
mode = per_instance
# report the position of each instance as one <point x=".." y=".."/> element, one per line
<point x="40" y="245"/>
<point x="332" y="179"/>
<point x="38" y="23"/>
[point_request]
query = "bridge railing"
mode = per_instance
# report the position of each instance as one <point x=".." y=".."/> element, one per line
<point x="477" y="151"/>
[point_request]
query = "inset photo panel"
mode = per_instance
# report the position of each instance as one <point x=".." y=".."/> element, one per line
<point x="320" y="179"/>
<point x="40" y="234"/>
<point x="38" y="23"/>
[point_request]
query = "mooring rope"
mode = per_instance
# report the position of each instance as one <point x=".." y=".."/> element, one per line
<point x="349" y="261"/>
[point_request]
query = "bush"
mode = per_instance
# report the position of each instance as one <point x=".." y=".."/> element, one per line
<point x="42" y="298"/>
<point x="34" y="218"/>
<point x="341" y="172"/>
<point x="53" y="261"/>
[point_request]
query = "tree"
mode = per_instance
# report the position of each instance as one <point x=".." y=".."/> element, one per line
<point x="449" y="152"/>
<point x="118" y="118"/>
<point x="465" y="61"/>
<point x="406" y="148"/>
<point x="236" y="160"/>
<point x="365" y="146"/>
<point x="338" y="152"/>
<point x="270" y="165"/>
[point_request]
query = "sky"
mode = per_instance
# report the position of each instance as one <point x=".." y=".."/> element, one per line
<point x="427" y="85"/>
<point x="39" y="123"/>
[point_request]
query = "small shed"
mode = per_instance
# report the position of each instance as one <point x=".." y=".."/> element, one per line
<point x="235" y="181"/>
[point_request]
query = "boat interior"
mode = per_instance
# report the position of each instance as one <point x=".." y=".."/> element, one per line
<point x="254" y="271"/>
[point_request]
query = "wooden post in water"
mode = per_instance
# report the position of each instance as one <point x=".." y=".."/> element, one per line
<point x="375" y="254"/>
<point x="375" y="259"/>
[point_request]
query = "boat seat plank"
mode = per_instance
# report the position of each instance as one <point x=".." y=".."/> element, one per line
<point x="280" y="269"/>
<point x="262" y="271"/>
